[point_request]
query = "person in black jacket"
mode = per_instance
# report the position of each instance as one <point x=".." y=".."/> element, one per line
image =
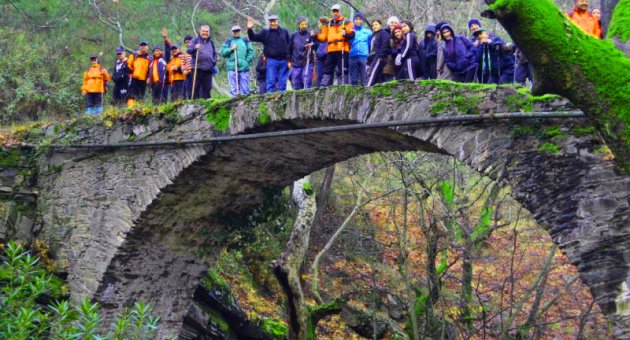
<point x="275" y="40"/>
<point x="379" y="52"/>
<point x="203" y="49"/>
<point x="411" y="62"/>
<point x="430" y="48"/>
<point x="121" y="77"/>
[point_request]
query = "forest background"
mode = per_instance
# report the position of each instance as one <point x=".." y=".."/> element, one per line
<point x="423" y="243"/>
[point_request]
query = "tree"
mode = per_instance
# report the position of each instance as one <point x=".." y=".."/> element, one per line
<point x="592" y="74"/>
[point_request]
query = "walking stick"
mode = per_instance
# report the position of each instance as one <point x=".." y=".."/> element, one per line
<point x="308" y="62"/>
<point x="238" y="88"/>
<point x="192" y="96"/>
<point x="343" y="73"/>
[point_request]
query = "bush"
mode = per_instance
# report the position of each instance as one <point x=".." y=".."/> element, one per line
<point x="24" y="283"/>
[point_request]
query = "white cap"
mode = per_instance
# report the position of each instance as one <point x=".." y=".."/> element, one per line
<point x="272" y="17"/>
<point x="336" y="7"/>
<point x="236" y="28"/>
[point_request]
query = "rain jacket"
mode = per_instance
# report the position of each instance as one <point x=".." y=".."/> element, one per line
<point x="178" y="74"/>
<point x="244" y="50"/>
<point x="157" y="70"/>
<point x="207" y="55"/>
<point x="361" y="43"/>
<point x="331" y="34"/>
<point x="94" y="79"/>
<point x="586" y="22"/>
<point x="458" y="57"/>
<point x="139" y="65"/>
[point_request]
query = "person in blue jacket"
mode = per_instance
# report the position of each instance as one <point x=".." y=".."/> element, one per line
<point x="429" y="47"/>
<point x="458" y="57"/>
<point x="380" y="50"/>
<point x="411" y="59"/>
<point x="275" y="40"/>
<point x="302" y="47"/>
<point x="359" y="51"/>
<point x="496" y="64"/>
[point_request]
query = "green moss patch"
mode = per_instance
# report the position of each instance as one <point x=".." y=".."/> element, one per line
<point x="263" y="117"/>
<point x="549" y="148"/>
<point x="274" y="329"/>
<point x="219" y="113"/>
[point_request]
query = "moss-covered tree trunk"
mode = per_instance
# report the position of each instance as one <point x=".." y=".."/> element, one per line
<point x="591" y="73"/>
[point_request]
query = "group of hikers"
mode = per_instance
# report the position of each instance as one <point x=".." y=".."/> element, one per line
<point x="342" y="50"/>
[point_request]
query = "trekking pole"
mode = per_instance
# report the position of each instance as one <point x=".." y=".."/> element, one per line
<point x="192" y="96"/>
<point x="343" y="73"/>
<point x="238" y="88"/>
<point x="163" y="81"/>
<point x="308" y="62"/>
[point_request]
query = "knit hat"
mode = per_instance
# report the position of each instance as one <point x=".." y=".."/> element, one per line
<point x="358" y="15"/>
<point x="272" y="17"/>
<point x="474" y="21"/>
<point x="429" y="29"/>
<point x="144" y="43"/>
<point x="188" y="37"/>
<point x="174" y="47"/>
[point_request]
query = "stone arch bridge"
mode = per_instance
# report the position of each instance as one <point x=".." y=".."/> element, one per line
<point x="127" y="223"/>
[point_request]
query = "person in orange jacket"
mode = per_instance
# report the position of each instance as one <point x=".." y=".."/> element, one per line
<point x="337" y="32"/>
<point x="157" y="77"/>
<point x="178" y="66"/>
<point x="139" y="66"/>
<point x="94" y="84"/>
<point x="581" y="17"/>
<point x="176" y="73"/>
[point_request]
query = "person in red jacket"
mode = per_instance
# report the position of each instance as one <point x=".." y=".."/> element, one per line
<point x="337" y="33"/>
<point x="94" y="85"/>
<point x="583" y="19"/>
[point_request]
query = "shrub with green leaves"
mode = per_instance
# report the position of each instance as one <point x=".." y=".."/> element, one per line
<point x="24" y="283"/>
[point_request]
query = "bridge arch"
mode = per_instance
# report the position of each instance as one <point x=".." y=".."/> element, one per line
<point x="134" y="232"/>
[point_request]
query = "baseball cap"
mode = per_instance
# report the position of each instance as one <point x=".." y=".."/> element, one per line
<point x="336" y="7"/>
<point x="236" y="28"/>
<point x="120" y="50"/>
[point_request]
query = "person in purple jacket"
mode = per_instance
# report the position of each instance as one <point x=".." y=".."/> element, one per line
<point x="459" y="58"/>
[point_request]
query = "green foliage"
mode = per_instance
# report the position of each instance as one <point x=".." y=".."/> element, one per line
<point x="483" y="227"/>
<point x="549" y="147"/>
<point x="35" y="80"/>
<point x="443" y="265"/>
<point x="448" y="193"/>
<point x="23" y="282"/>
<point x="308" y="188"/>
